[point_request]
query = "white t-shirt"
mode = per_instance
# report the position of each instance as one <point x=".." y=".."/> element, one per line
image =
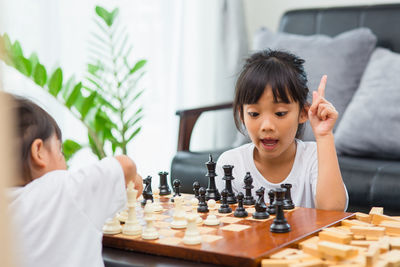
<point x="59" y="216"/>
<point x="303" y="175"/>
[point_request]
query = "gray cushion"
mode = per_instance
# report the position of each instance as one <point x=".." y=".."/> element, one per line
<point x="371" y="124"/>
<point x="343" y="58"/>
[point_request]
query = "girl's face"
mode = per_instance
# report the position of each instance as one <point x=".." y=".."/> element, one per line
<point x="272" y="126"/>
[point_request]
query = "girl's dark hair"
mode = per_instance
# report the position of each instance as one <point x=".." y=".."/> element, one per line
<point x="282" y="71"/>
<point x="32" y="123"/>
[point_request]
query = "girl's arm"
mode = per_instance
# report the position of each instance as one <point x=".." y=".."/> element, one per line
<point x="331" y="192"/>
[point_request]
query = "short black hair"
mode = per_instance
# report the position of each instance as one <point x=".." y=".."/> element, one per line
<point x="32" y="122"/>
<point x="282" y="71"/>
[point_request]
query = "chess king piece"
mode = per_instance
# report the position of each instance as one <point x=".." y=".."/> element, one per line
<point x="149" y="232"/>
<point x="231" y="199"/>
<point x="224" y="208"/>
<point x="202" y="201"/>
<point x="211" y="218"/>
<point x="261" y="208"/>
<point x="196" y="187"/>
<point x="271" y="206"/>
<point x="164" y="188"/>
<point x="279" y="225"/>
<point x="132" y="225"/>
<point x="192" y="234"/>
<point x="287" y="202"/>
<point x="194" y="202"/>
<point x="157" y="205"/>
<point x="240" y="211"/>
<point x="147" y="192"/>
<point x="179" y="216"/>
<point x="112" y="227"/>
<point x="212" y="191"/>
<point x="248" y="185"/>
<point x="177" y="185"/>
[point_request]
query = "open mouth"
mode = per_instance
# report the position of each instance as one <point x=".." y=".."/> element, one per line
<point x="269" y="143"/>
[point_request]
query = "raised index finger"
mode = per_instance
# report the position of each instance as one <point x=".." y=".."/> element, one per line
<point x="321" y="87"/>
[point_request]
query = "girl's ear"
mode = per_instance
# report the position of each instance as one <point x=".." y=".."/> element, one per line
<point x="303" y="117"/>
<point x="38" y="154"/>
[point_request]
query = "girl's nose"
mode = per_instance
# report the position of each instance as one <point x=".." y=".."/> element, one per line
<point x="267" y="125"/>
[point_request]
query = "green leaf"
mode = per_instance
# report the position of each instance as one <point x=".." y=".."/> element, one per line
<point x="70" y="147"/>
<point x="23" y="65"/>
<point x="74" y="95"/>
<point x="93" y="68"/>
<point x="67" y="88"/>
<point x="108" y="17"/>
<point x="34" y="60"/>
<point x="40" y="75"/>
<point x="133" y="134"/>
<point x="93" y="146"/>
<point x="138" y="65"/>
<point x="132" y="122"/>
<point x="88" y="104"/>
<point x="55" y="82"/>
<point x="17" y="50"/>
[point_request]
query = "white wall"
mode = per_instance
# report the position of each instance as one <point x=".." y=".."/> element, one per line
<point x="268" y="12"/>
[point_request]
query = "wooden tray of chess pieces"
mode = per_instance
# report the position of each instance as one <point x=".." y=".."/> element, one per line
<point x="211" y="226"/>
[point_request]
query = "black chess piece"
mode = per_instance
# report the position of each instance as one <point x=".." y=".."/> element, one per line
<point x="212" y="191"/>
<point x="177" y="185"/>
<point x="279" y="225"/>
<point x="147" y="191"/>
<point x="224" y="203"/>
<point x="287" y="202"/>
<point x="203" y="207"/>
<point x="240" y="210"/>
<point x="271" y="207"/>
<point x="228" y="183"/>
<point x="196" y="187"/>
<point x="248" y="185"/>
<point x="164" y="188"/>
<point x="261" y="208"/>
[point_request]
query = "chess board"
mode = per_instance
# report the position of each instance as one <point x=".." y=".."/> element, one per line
<point x="235" y="242"/>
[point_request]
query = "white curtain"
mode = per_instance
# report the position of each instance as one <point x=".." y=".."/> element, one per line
<point x="192" y="48"/>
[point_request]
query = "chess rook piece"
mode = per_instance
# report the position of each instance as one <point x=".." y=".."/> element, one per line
<point x="248" y="185"/>
<point x="202" y="201"/>
<point x="147" y="192"/>
<point x="176" y="184"/>
<point x="192" y="234"/>
<point x="231" y="199"/>
<point x="149" y="232"/>
<point x="287" y="202"/>
<point x="240" y="211"/>
<point x="279" y="225"/>
<point x="224" y="208"/>
<point x="212" y="191"/>
<point x="271" y="207"/>
<point x="164" y="188"/>
<point x="261" y="208"/>
<point x="179" y="216"/>
<point x="211" y="218"/>
<point x="196" y="187"/>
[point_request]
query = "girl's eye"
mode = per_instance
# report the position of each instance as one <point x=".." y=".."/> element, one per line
<point x="281" y="113"/>
<point x="253" y="114"/>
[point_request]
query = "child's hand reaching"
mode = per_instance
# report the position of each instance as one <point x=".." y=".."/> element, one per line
<point x="322" y="114"/>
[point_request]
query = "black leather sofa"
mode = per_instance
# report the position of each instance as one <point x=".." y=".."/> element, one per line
<point x="370" y="181"/>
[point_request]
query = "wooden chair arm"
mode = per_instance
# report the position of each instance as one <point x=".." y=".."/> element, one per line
<point x="188" y="118"/>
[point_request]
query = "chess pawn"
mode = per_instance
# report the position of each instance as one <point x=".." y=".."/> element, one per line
<point x="248" y="198"/>
<point x="156" y="205"/>
<point x="195" y="202"/>
<point x="122" y="216"/>
<point x="280" y="225"/>
<point x="164" y="188"/>
<point x="271" y="207"/>
<point x="149" y="232"/>
<point x="287" y="202"/>
<point x="179" y="216"/>
<point x="196" y="187"/>
<point x="211" y="218"/>
<point x="192" y="234"/>
<point x="224" y="208"/>
<point x="240" y="211"/>
<point x="176" y="184"/>
<point x="112" y="227"/>
<point x="202" y="201"/>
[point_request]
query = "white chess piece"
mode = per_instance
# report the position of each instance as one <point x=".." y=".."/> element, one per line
<point x="112" y="227"/>
<point x="211" y="218"/>
<point x="122" y="216"/>
<point x="195" y="202"/>
<point x="192" y="234"/>
<point x="179" y="216"/>
<point x="156" y="205"/>
<point x="132" y="225"/>
<point x="149" y="232"/>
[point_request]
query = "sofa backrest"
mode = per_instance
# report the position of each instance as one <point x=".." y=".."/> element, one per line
<point x="383" y="20"/>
